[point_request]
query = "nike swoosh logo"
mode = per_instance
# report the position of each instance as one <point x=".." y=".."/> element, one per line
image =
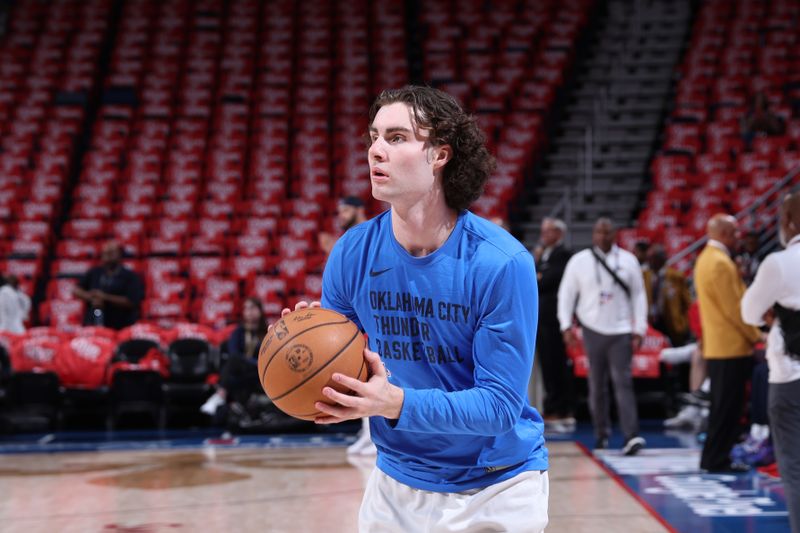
<point x="374" y="273"/>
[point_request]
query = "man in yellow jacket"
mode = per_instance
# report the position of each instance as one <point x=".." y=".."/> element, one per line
<point x="668" y="297"/>
<point x="727" y="341"/>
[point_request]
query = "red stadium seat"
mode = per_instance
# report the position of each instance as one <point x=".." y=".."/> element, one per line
<point x="62" y="314"/>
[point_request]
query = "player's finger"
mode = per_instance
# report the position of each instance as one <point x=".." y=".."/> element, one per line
<point x="300" y="305"/>
<point x="315" y="303"/>
<point x="336" y="410"/>
<point x="285" y="311"/>
<point x="345" y="400"/>
<point x="359" y="387"/>
<point x="375" y="364"/>
<point x="328" y="420"/>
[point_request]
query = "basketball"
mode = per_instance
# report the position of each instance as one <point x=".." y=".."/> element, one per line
<point x="301" y="353"/>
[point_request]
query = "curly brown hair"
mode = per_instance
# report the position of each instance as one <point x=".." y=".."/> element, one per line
<point x="465" y="175"/>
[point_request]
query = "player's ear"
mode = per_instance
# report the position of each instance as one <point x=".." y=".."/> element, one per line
<point x="442" y="155"/>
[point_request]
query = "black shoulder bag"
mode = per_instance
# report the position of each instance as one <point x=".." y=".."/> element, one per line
<point x="790" y="327"/>
<point x="613" y="274"/>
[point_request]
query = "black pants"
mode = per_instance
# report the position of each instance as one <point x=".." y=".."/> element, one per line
<point x="556" y="371"/>
<point x="611" y="356"/>
<point x="784" y="413"/>
<point x="728" y="387"/>
<point x="239" y="378"/>
<point x="759" y="392"/>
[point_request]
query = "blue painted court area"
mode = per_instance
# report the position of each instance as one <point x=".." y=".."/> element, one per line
<point x="665" y="477"/>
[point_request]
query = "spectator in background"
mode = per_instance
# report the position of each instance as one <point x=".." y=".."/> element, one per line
<point x="551" y="259"/>
<point x="776" y="291"/>
<point x="668" y="297"/>
<point x="640" y="251"/>
<point x="759" y="120"/>
<point x="502" y="222"/>
<point x="15" y="306"/>
<point x="694" y="412"/>
<point x="112" y="292"/>
<point x="239" y="378"/>
<point x="749" y="259"/>
<point x="349" y="212"/>
<point x="603" y="286"/>
<point x="727" y="342"/>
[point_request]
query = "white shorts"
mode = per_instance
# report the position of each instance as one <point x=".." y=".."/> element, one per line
<point x="518" y="505"/>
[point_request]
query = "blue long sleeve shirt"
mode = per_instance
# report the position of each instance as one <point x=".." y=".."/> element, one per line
<point x="456" y="330"/>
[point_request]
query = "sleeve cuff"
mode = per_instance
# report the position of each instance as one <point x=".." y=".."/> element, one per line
<point x="410" y="400"/>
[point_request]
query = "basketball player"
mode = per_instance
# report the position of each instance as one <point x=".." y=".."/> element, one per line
<point x="449" y="301"/>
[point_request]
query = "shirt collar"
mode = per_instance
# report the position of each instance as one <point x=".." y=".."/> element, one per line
<point x="794" y="240"/>
<point x="603" y="254"/>
<point x="719" y="245"/>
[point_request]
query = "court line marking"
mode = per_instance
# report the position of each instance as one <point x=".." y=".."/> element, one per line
<point x="647" y="507"/>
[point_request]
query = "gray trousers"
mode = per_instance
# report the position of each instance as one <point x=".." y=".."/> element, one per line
<point x="784" y="422"/>
<point x="611" y="354"/>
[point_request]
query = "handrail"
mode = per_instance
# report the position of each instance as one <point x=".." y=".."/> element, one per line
<point x="693" y="247"/>
<point x="564" y="205"/>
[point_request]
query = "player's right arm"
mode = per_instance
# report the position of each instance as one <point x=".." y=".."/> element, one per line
<point x="337" y="290"/>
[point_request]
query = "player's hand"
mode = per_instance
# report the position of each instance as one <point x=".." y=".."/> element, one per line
<point x="636" y="342"/>
<point x="96" y="298"/>
<point x="376" y="397"/>
<point x="569" y="338"/>
<point x="769" y="317"/>
<point x="299" y="305"/>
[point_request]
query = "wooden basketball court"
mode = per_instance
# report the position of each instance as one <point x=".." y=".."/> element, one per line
<point x="211" y="488"/>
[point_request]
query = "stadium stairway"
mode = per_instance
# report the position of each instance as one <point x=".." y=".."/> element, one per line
<point x="597" y="163"/>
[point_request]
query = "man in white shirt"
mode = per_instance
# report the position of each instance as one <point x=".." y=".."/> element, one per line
<point x="612" y="310"/>
<point x="15" y="306"/>
<point x="777" y="282"/>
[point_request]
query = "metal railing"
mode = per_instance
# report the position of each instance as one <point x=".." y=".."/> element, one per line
<point x="563" y="210"/>
<point x="766" y="201"/>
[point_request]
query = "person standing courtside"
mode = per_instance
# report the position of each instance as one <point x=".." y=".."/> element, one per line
<point x="668" y="297"/>
<point x="776" y="291"/>
<point x="727" y="341"/>
<point x="603" y="287"/>
<point x="551" y="259"/>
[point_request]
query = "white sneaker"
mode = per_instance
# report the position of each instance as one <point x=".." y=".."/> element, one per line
<point x="363" y="444"/>
<point x="212" y="404"/>
<point x="633" y="446"/>
<point x="688" y="417"/>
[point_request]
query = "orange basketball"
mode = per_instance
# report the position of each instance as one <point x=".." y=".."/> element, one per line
<point x="301" y="353"/>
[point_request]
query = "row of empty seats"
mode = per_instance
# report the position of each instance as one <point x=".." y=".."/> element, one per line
<point x="49" y="60"/>
<point x="144" y="367"/>
<point x="705" y="165"/>
<point x="227" y="130"/>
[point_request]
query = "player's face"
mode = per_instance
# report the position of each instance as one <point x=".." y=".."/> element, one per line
<point x="403" y="165"/>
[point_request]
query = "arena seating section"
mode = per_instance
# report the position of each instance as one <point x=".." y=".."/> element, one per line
<point x="737" y="49"/>
<point x="212" y="139"/>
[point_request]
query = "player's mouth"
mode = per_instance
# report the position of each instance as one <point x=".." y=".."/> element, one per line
<point x="379" y="175"/>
